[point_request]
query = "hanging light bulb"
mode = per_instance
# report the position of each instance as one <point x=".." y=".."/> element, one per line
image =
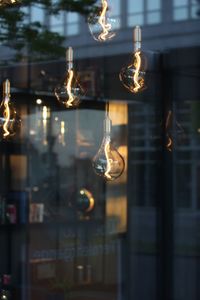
<point x="101" y="25"/>
<point x="133" y="76"/>
<point x="69" y="92"/>
<point x="85" y="201"/>
<point x="9" y="120"/>
<point x="108" y="162"/>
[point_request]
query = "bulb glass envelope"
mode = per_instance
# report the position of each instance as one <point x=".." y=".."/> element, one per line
<point x="9" y="120"/>
<point x="101" y="23"/>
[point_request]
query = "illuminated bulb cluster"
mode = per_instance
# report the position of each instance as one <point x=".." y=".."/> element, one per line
<point x="108" y="162"/>
<point x="69" y="92"/>
<point x="133" y="75"/>
<point x="9" y="120"/>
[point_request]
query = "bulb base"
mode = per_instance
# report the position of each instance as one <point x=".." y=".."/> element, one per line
<point x="137" y="38"/>
<point x="107" y="125"/>
<point x="69" y="58"/>
<point x="6" y="88"/>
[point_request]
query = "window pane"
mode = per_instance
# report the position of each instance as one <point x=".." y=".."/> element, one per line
<point x="135" y="6"/>
<point x="72" y="29"/>
<point x="180" y="2"/>
<point x="180" y="14"/>
<point x="114" y="6"/>
<point x="153" y="18"/>
<point x="195" y="11"/>
<point x="25" y="11"/>
<point x="58" y="29"/>
<point x="153" y="4"/>
<point x="136" y="20"/>
<point x="37" y="14"/>
<point x="57" y="19"/>
<point x="72" y="17"/>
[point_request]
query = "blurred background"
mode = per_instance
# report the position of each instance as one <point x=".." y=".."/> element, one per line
<point x="65" y="232"/>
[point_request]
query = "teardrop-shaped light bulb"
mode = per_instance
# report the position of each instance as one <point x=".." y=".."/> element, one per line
<point x="133" y="75"/>
<point x="101" y="23"/>
<point x="108" y="162"/>
<point x="9" y="120"/>
<point x="69" y="92"/>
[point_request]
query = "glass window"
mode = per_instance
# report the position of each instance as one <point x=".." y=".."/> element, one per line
<point x="136" y="20"/>
<point x="72" y="23"/>
<point x="72" y="29"/>
<point x="144" y="12"/>
<point x="180" y="13"/>
<point x="72" y="17"/>
<point x="115" y="7"/>
<point x="195" y="11"/>
<point x="135" y="6"/>
<point x="153" y="4"/>
<point x="57" y="23"/>
<point x="153" y="17"/>
<point x="37" y="14"/>
<point x="180" y="2"/>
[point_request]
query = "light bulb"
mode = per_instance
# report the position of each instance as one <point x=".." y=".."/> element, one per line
<point x="108" y="162"/>
<point x="133" y="75"/>
<point x="9" y="120"/>
<point x="85" y="201"/>
<point x="69" y="92"/>
<point x="101" y="25"/>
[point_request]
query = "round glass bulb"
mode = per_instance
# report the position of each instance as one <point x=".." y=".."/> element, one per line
<point x="133" y="75"/>
<point x="70" y="91"/>
<point x="85" y="201"/>
<point x="9" y="120"/>
<point x="101" y="23"/>
<point x="108" y="162"/>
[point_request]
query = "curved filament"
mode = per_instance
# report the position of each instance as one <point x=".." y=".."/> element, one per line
<point x="106" y="27"/>
<point x="69" y="88"/>
<point x="139" y="83"/>
<point x="108" y="169"/>
<point x="169" y="144"/>
<point x="7" y="118"/>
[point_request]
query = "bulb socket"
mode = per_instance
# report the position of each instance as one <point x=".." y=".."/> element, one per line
<point x="6" y="87"/>
<point x="107" y="125"/>
<point x="69" y="57"/>
<point x="137" y="37"/>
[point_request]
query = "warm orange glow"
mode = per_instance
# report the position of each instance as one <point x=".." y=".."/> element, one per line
<point x="106" y="27"/>
<point x="6" y="115"/>
<point x="169" y="144"/>
<point x="69" y="88"/>
<point x="138" y="82"/>
<point x="108" y="161"/>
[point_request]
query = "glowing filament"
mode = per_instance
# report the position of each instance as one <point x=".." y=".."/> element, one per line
<point x="169" y="144"/>
<point x="69" y="88"/>
<point x="139" y="83"/>
<point x="109" y="161"/>
<point x="7" y="117"/>
<point x="106" y="27"/>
